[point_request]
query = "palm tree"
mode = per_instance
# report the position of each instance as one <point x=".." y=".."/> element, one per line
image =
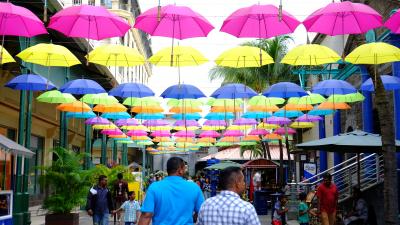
<point x="256" y="151"/>
<point x="259" y="78"/>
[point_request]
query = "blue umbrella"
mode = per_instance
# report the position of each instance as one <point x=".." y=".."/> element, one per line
<point x="116" y="115"/>
<point x="320" y="112"/>
<point x="182" y="91"/>
<point x="233" y="91"/>
<point x="81" y="115"/>
<point x="219" y="116"/>
<point x="127" y="90"/>
<point x="256" y="115"/>
<point x="330" y="87"/>
<point x="285" y="90"/>
<point x="148" y="116"/>
<point x="188" y="116"/>
<point x="81" y="87"/>
<point x="288" y="113"/>
<point x="390" y="83"/>
<point x="30" y="82"/>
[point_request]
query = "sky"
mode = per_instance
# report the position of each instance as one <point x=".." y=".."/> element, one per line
<point x="215" y="11"/>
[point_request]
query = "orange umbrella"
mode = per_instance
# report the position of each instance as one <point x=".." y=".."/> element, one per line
<point x="333" y="105"/>
<point x="140" y="138"/>
<point x="117" y="107"/>
<point x="272" y="136"/>
<point x="77" y="106"/>
<point x="185" y="110"/>
<point x="251" y="138"/>
<point x="147" y="109"/>
<point x="229" y="139"/>
<point x="184" y="139"/>
<point x="118" y="136"/>
<point x="295" y="107"/>
<point x="207" y="140"/>
<point x="263" y="108"/>
<point x="161" y="139"/>
<point x="225" y="109"/>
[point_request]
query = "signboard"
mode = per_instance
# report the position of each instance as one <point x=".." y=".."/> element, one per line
<point x="310" y="169"/>
<point x="6" y="201"/>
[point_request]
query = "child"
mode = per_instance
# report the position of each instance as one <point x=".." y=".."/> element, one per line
<point x="131" y="208"/>
<point x="280" y="211"/>
<point x="303" y="210"/>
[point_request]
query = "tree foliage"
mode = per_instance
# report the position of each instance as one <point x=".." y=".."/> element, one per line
<point x="256" y="151"/>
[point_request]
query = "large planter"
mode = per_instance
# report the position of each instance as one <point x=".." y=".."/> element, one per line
<point x="62" y="219"/>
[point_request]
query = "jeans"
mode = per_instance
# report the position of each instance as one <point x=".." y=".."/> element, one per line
<point x="101" y="219"/>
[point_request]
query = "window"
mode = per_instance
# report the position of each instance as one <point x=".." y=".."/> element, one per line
<point x="77" y="2"/>
<point x="91" y="2"/>
<point x="37" y="146"/>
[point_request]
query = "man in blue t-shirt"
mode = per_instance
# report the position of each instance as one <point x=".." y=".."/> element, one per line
<point x="173" y="200"/>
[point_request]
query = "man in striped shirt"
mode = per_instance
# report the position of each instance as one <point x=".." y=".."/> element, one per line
<point x="228" y="208"/>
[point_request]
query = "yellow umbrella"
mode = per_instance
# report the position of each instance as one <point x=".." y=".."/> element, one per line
<point x="301" y="125"/>
<point x="310" y="55"/>
<point x="106" y="126"/>
<point x="244" y="56"/>
<point x="187" y="109"/>
<point x="5" y="56"/>
<point x="154" y="128"/>
<point x="137" y="127"/>
<point x="117" y="107"/>
<point x="212" y="127"/>
<point x="76" y="106"/>
<point x="178" y="56"/>
<point x="267" y="126"/>
<point x="140" y="138"/>
<point x="49" y="55"/>
<point x="374" y="53"/>
<point x="115" y="55"/>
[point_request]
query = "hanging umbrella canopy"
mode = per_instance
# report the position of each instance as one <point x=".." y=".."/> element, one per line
<point x="187" y="116"/>
<point x="116" y="55"/>
<point x="308" y="118"/>
<point x="390" y="83"/>
<point x="126" y="90"/>
<point x="209" y="133"/>
<point x="146" y="116"/>
<point x="5" y="56"/>
<point x="101" y="98"/>
<point x="155" y="123"/>
<point x="310" y="55"/>
<point x="147" y="109"/>
<point x="161" y="133"/>
<point x="82" y="86"/>
<point x="142" y="102"/>
<point x="80" y="115"/>
<point x="259" y="21"/>
<point x="297" y="107"/>
<point x="244" y="121"/>
<point x="311" y="98"/>
<point x="320" y="112"/>
<point x="247" y="143"/>
<point x="101" y="127"/>
<point x="56" y="96"/>
<point x="339" y="18"/>
<point x="49" y="55"/>
<point x="116" y="115"/>
<point x="330" y="87"/>
<point x="348" y="98"/>
<point x="207" y="140"/>
<point x="282" y="131"/>
<point x="301" y="125"/>
<point x="278" y="120"/>
<point x="162" y="138"/>
<point x="374" y="53"/>
<point x="221" y="109"/>
<point x="244" y="56"/>
<point x="97" y="120"/>
<point x="219" y="116"/>
<point x="261" y="100"/>
<point x="333" y="106"/>
<point x="233" y="91"/>
<point x="87" y="21"/>
<point x="76" y="106"/>
<point x="215" y="123"/>
<point x="179" y="22"/>
<point x="182" y="91"/>
<point x="181" y="56"/>
<point x="285" y="90"/>
<point x="190" y="123"/>
<point x="205" y="144"/>
<point x="224" y="144"/>
<point x="112" y="132"/>
<point x="224" y="102"/>
<point x="137" y="133"/>
<point x="251" y="138"/>
<point x="233" y="133"/>
<point x="261" y="108"/>
<point x="287" y="114"/>
<point x="205" y="128"/>
<point x="258" y="132"/>
<point x="184" y="139"/>
<point x="186" y="109"/>
<point x="271" y="137"/>
<point x="267" y="126"/>
<point x="185" y="103"/>
<point x="30" y="82"/>
<point x="184" y="133"/>
<point x="229" y="139"/>
<point x="145" y="143"/>
<point x="140" y="138"/>
<point x="127" y="122"/>
<point x="116" y="107"/>
<point x="393" y="23"/>
<point x="239" y="127"/>
<point x="256" y="115"/>
<point x="134" y="127"/>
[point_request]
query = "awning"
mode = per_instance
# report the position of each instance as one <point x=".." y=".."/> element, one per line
<point x="9" y="145"/>
<point x="234" y="154"/>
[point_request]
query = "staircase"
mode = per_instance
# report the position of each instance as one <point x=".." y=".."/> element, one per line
<point x="345" y="176"/>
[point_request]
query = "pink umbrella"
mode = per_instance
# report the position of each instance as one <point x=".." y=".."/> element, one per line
<point x="186" y="123"/>
<point x="97" y="120"/>
<point x="137" y="133"/>
<point x="258" y="132"/>
<point x="393" y="23"/>
<point x="86" y="21"/>
<point x="210" y="133"/>
<point x="215" y="123"/>
<point x="155" y="123"/>
<point x="233" y="133"/>
<point x="278" y="120"/>
<point x="308" y="118"/>
<point x="161" y="133"/>
<point x="244" y="121"/>
<point x="339" y="18"/>
<point x="185" y="133"/>
<point x="259" y="21"/>
<point x="173" y="21"/>
<point x="127" y="122"/>
<point x="112" y="132"/>
<point x="281" y="131"/>
<point x="19" y="21"/>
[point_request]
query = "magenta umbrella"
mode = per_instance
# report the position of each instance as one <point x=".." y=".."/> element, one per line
<point x="186" y="123"/>
<point x="233" y="133"/>
<point x="97" y="121"/>
<point x="112" y="132"/>
<point x="155" y="123"/>
<point x="185" y="133"/>
<point x="244" y="121"/>
<point x="282" y="131"/>
<point x="278" y="120"/>
<point x="210" y="133"/>
<point x="173" y="21"/>
<point x="137" y="133"/>
<point x="259" y="21"/>
<point x="215" y="123"/>
<point x="308" y="118"/>
<point x="127" y="122"/>
<point x="393" y="23"/>
<point x="258" y="132"/>
<point x="161" y="133"/>
<point x="339" y="18"/>
<point x="87" y="21"/>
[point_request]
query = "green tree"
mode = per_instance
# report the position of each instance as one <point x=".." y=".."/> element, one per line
<point x="256" y="151"/>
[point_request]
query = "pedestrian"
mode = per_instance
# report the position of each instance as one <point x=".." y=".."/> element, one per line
<point x="207" y="188"/>
<point x="99" y="202"/>
<point x="228" y="208"/>
<point x="328" y="196"/>
<point x="173" y="200"/>
<point x="131" y="209"/>
<point x="359" y="212"/>
<point x="280" y="210"/>
<point x="120" y="193"/>
<point x="303" y="210"/>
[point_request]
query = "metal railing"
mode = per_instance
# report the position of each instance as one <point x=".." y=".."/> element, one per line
<point x="345" y="176"/>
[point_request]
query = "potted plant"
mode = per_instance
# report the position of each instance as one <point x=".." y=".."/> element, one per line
<point x="68" y="186"/>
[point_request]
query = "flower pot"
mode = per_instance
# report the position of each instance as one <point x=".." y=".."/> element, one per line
<point x="62" y="219"/>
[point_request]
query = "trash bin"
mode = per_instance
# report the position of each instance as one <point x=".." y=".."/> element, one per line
<point x="261" y="202"/>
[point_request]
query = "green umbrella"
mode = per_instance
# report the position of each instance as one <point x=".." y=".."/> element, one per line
<point x="224" y="102"/>
<point x="308" y="99"/>
<point x="56" y="96"/>
<point x="349" y="98"/>
<point x="264" y="101"/>
<point x="224" y="144"/>
<point x="166" y="144"/>
<point x="147" y="101"/>
<point x="102" y="98"/>
<point x="185" y="102"/>
<point x="223" y="165"/>
<point x="247" y="143"/>
<point x="144" y="143"/>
